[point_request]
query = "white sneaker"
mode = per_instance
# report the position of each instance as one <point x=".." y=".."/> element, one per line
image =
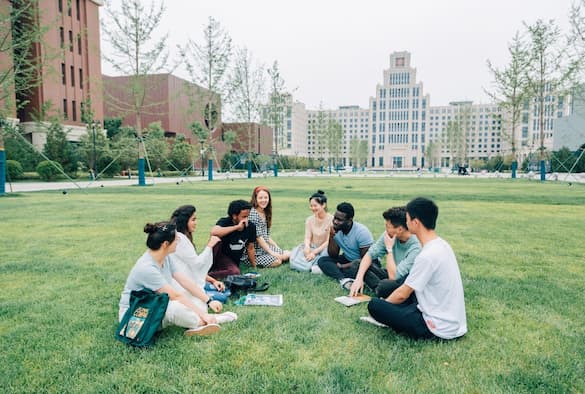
<point x="371" y="320"/>
<point x="207" y="329"/>
<point x="225" y="317"/>
<point x="346" y="283"/>
<point x="316" y="270"/>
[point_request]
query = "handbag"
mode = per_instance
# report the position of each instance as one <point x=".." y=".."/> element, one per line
<point x="298" y="261"/>
<point x="143" y="318"/>
<point x="243" y="283"/>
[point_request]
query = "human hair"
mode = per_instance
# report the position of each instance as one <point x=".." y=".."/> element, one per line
<point x="158" y="233"/>
<point x="346" y="208"/>
<point x="425" y="210"/>
<point x="320" y="197"/>
<point x="180" y="218"/>
<point x="396" y="216"/>
<point x="238" y="206"/>
<point x="268" y="209"/>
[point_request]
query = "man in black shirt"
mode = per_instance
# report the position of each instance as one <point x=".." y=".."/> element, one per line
<point x="237" y="235"/>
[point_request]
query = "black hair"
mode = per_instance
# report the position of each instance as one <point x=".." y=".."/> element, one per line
<point x="425" y="210"/>
<point x="180" y="218"/>
<point x="346" y="208"/>
<point x="158" y="233"/>
<point x="319" y="196"/>
<point x="396" y="216"/>
<point x="238" y="206"/>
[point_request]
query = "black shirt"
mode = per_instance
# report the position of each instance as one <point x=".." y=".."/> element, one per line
<point x="234" y="244"/>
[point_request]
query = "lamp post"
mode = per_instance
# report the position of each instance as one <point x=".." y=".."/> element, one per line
<point x="202" y="151"/>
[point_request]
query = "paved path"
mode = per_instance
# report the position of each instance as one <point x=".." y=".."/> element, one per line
<point x="17" y="187"/>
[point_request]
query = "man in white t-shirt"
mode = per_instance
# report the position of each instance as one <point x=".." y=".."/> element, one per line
<point x="430" y="303"/>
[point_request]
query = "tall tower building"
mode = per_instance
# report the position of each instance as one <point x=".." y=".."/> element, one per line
<point x="71" y="67"/>
<point x="398" y="117"/>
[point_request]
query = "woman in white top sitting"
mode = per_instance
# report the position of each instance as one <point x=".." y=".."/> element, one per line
<point x="196" y="265"/>
<point x="317" y="227"/>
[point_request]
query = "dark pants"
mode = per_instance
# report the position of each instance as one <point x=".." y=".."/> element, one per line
<point x="329" y="267"/>
<point x="373" y="275"/>
<point x="223" y="265"/>
<point x="404" y="318"/>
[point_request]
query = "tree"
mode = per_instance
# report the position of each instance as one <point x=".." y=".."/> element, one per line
<point x="182" y="153"/>
<point x="334" y="141"/>
<point x="92" y="154"/>
<point x="59" y="149"/>
<point x="319" y="132"/>
<point x="549" y="73"/>
<point x="202" y="136"/>
<point x="136" y="53"/>
<point x="247" y="92"/>
<point x="157" y="147"/>
<point x="433" y="154"/>
<point x="359" y="152"/>
<point x="509" y="89"/>
<point x="276" y="106"/>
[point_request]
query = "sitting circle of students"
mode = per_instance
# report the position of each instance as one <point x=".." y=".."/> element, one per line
<point x="411" y="271"/>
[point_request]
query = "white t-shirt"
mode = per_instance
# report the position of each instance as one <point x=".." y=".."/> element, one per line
<point x="188" y="261"/>
<point x="437" y="284"/>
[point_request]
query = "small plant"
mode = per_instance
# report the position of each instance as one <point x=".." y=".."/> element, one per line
<point x="49" y="170"/>
<point x="13" y="170"/>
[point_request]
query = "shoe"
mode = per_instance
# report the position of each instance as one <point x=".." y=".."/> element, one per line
<point x="316" y="270"/>
<point x="225" y="317"/>
<point x="207" y="329"/>
<point x="346" y="283"/>
<point x="371" y="320"/>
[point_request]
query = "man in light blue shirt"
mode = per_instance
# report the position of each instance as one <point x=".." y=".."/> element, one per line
<point x="400" y="248"/>
<point x="348" y="240"/>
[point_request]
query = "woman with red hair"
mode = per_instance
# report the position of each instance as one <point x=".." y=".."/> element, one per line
<point x="268" y="253"/>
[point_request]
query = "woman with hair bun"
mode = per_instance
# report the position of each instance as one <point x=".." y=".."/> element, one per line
<point x="317" y="227"/>
<point x="155" y="271"/>
<point x="268" y="253"/>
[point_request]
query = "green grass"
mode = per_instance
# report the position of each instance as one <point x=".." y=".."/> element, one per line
<point x="64" y="260"/>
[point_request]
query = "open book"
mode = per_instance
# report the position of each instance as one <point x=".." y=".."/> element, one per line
<point x="349" y="301"/>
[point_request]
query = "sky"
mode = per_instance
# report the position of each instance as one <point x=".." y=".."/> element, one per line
<point x="333" y="52"/>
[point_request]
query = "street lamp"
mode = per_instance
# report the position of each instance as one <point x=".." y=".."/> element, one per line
<point x="202" y="151"/>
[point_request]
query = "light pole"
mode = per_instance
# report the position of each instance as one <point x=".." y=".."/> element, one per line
<point x="202" y="151"/>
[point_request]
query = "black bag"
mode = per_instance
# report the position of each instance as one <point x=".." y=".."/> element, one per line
<point x="243" y="283"/>
<point x="143" y="318"/>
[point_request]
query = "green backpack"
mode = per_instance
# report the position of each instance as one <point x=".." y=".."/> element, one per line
<point x="143" y="318"/>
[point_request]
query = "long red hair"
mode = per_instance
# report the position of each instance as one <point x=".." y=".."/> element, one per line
<point x="268" y="209"/>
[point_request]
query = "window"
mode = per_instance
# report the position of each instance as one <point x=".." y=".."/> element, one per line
<point x="79" y="44"/>
<point x="63" y="74"/>
<point x="68" y="7"/>
<point x="60" y="2"/>
<point x="74" y="110"/>
<point x="62" y="36"/>
<point x="81" y="78"/>
<point x="70" y="41"/>
<point x="64" y="108"/>
<point x="77" y="12"/>
<point x="72" y="76"/>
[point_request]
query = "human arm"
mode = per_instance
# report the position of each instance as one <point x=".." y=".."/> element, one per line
<point x="332" y="246"/>
<point x="400" y="295"/>
<point x="357" y="286"/>
<point x="390" y="263"/>
<point x="220" y="231"/>
<point x="251" y="254"/>
<point x="196" y="291"/>
<point x="406" y="262"/>
<point x="218" y="284"/>
<point x="175" y="295"/>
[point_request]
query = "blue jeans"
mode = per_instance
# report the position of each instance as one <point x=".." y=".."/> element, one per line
<point x="216" y="295"/>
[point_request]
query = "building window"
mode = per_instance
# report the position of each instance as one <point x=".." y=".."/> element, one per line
<point x="68" y="7"/>
<point x="70" y="41"/>
<point x="74" y="110"/>
<point x="81" y="78"/>
<point x="77" y="12"/>
<point x="72" y="76"/>
<point x="79" y="44"/>
<point x="60" y="2"/>
<point x="65" y="109"/>
<point x="63" y="74"/>
<point x="62" y="36"/>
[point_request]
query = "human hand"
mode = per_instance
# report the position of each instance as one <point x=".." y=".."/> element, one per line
<point x="389" y="241"/>
<point x="243" y="224"/>
<point x="216" y="306"/>
<point x="357" y="287"/>
<point x="219" y="285"/>
<point x="310" y="256"/>
<point x="213" y="240"/>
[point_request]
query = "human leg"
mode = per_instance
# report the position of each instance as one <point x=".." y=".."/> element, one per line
<point x="221" y="296"/>
<point x="223" y="266"/>
<point x="329" y="267"/>
<point x="402" y="318"/>
<point x="386" y="287"/>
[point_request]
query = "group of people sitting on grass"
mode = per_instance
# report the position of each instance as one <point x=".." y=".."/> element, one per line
<point x="412" y="271"/>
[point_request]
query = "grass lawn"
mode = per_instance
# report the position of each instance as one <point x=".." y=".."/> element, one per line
<point x="520" y="246"/>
